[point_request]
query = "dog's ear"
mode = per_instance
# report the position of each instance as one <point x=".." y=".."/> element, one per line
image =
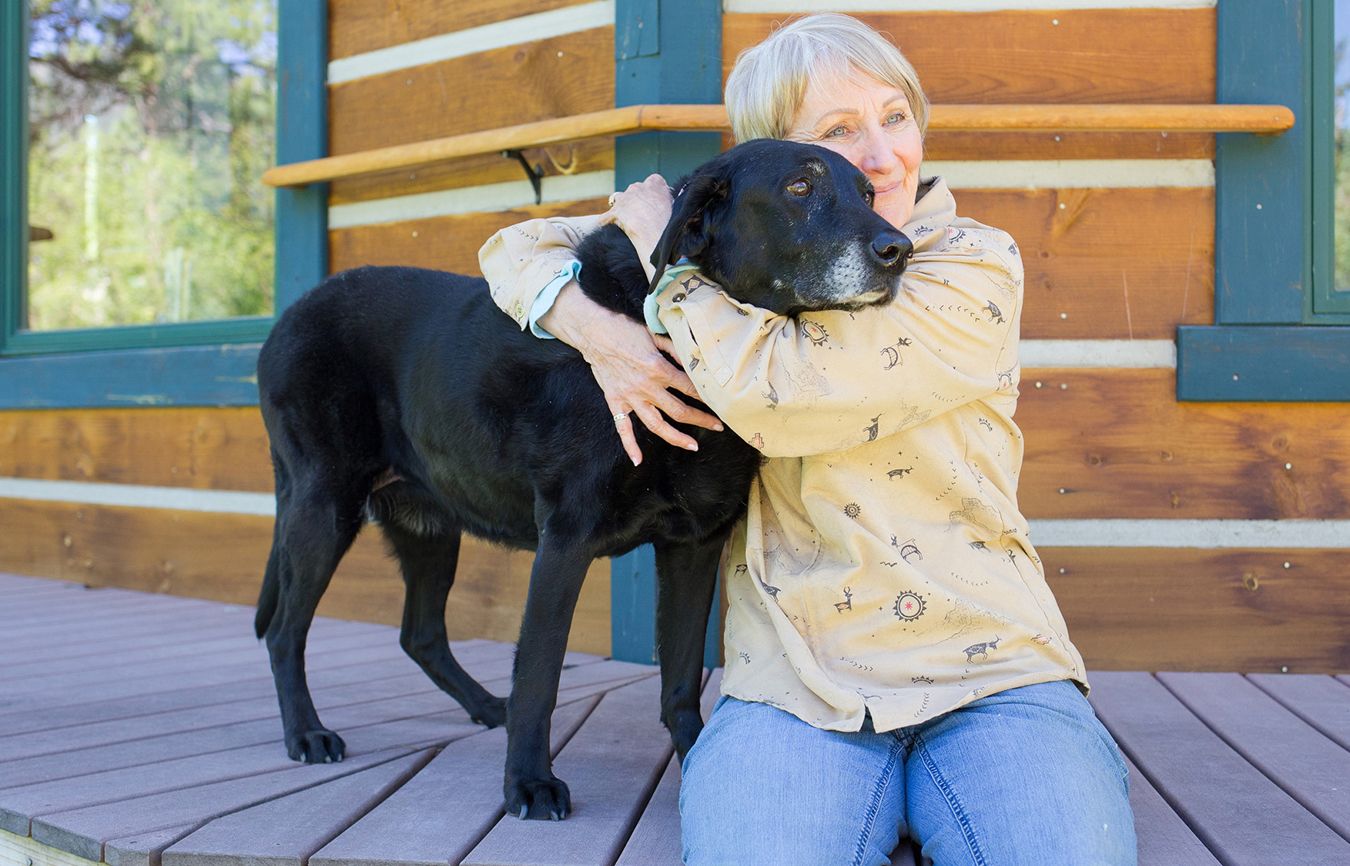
<point x="687" y="232"/>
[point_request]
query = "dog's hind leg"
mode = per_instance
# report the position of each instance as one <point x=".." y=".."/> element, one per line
<point x="428" y="565"/>
<point x="313" y="532"/>
<point x="685" y="575"/>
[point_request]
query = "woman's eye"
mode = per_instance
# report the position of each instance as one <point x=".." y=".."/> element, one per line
<point x="836" y="132"/>
<point x="897" y="117"/>
<point x="799" y="187"/>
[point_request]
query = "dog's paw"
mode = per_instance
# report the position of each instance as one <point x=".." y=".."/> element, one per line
<point x="317" y="746"/>
<point x="538" y="799"/>
<point x="491" y="712"/>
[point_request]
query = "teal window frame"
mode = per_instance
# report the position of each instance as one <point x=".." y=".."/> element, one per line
<point x="190" y="363"/>
<point x="1279" y="332"/>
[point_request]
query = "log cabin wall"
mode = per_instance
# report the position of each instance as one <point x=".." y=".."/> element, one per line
<point x="1175" y="535"/>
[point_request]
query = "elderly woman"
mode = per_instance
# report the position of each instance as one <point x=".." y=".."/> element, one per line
<point x="895" y="662"/>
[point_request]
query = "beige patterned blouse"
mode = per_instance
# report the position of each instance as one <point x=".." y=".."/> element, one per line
<point x="883" y="566"/>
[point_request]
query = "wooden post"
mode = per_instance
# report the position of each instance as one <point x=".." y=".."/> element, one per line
<point x="665" y="51"/>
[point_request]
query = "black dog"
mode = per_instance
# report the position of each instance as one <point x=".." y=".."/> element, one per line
<point x="493" y="432"/>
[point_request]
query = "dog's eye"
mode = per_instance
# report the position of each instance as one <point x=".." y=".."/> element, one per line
<point x="871" y="196"/>
<point x="799" y="187"/>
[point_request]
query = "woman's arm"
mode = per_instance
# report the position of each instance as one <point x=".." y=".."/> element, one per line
<point x="830" y="380"/>
<point x="520" y="260"/>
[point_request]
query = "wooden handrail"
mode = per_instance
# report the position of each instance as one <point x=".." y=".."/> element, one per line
<point x="1267" y="119"/>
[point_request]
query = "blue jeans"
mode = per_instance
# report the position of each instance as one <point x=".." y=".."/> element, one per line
<point x="1024" y="776"/>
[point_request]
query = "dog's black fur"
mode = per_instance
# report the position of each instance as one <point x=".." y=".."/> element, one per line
<point x="493" y="432"/>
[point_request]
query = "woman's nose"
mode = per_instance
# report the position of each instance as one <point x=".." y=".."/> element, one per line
<point x="878" y="153"/>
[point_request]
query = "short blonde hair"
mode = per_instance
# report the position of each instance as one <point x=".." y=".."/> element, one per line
<point x="769" y="81"/>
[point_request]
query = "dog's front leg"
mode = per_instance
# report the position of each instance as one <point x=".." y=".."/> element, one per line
<point x="531" y="789"/>
<point x="685" y="577"/>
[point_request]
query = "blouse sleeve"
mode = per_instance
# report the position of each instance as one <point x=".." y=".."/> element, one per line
<point x="827" y="381"/>
<point x="526" y="264"/>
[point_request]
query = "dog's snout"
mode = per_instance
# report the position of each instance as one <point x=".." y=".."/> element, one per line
<point x="891" y="248"/>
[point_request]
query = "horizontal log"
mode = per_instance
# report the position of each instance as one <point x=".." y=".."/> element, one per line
<point x="221" y="557"/>
<point x="1141" y="55"/>
<point x="1115" y="443"/>
<point x="1222" y="610"/>
<point x="448" y="243"/>
<point x="535" y="81"/>
<point x="358" y="26"/>
<point x="1100" y="264"/>
<point x="1100" y="444"/>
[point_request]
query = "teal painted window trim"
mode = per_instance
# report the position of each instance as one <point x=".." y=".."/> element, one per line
<point x="1272" y="339"/>
<point x="191" y="363"/>
<point x="664" y="52"/>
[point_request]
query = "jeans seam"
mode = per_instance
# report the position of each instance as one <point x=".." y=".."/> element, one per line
<point x="953" y="801"/>
<point x="878" y="790"/>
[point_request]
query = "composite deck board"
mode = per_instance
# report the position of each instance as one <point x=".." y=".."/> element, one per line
<point x="1308" y="766"/>
<point x="113" y="745"/>
<point x="1164" y="838"/>
<point x="1242" y="817"/>
<point x="1321" y="701"/>
<point x="611" y="766"/>
<point x="655" y="840"/>
<point x="439" y="815"/>
<point x="287" y="830"/>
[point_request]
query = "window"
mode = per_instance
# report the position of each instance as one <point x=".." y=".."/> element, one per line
<point x="1331" y="90"/>
<point x="138" y="241"/>
<point x="1280" y="319"/>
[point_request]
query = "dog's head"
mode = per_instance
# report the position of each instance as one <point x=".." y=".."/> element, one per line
<point x="787" y="227"/>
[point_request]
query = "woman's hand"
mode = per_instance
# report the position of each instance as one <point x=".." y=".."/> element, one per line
<point x="642" y="211"/>
<point x="627" y="363"/>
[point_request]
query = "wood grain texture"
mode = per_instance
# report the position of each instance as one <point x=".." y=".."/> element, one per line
<point x="554" y="77"/>
<point x="1067" y="145"/>
<point x="552" y="161"/>
<point x="1204" y="610"/>
<point x="1100" y="264"/>
<point x="203" y="448"/>
<point x="1076" y="56"/>
<point x="221" y="557"/>
<point x="358" y="26"/>
<point x="1107" y="263"/>
<point x="448" y="243"/>
<point x="1114" y="441"/>
<point x="1118" y="444"/>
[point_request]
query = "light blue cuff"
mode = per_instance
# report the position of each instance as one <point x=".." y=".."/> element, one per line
<point x="543" y="302"/>
<point x="650" y="308"/>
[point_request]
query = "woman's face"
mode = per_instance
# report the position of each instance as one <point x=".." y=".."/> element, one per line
<point x="870" y="124"/>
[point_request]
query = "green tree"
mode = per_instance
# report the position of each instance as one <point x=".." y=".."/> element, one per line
<point x="150" y="125"/>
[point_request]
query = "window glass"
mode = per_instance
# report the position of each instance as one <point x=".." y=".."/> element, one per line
<point x="150" y="124"/>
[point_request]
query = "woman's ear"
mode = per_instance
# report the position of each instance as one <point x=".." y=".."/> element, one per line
<point x="687" y="232"/>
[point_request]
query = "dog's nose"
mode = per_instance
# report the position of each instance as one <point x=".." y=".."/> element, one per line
<point x="891" y="248"/>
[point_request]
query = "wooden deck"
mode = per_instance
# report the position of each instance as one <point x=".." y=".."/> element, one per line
<point x="139" y="730"/>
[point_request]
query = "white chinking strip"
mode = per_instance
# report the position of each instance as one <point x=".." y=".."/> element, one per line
<point x="1072" y="173"/>
<point x="1206" y="534"/>
<point x="1277" y="534"/>
<point x="1161" y="354"/>
<point x="474" y="199"/>
<point x="499" y="34"/>
<point x="139" y="496"/>
<point x="954" y="5"/>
